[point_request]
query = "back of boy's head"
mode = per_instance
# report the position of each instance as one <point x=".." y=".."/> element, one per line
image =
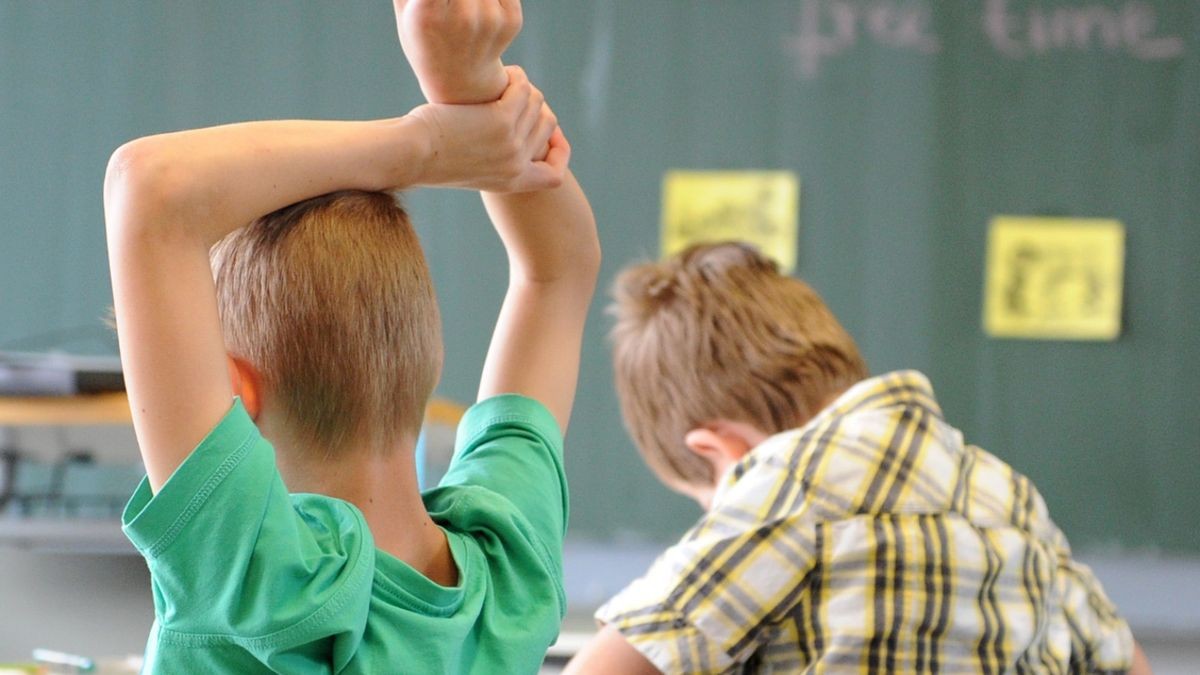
<point x="716" y="332"/>
<point x="330" y="299"/>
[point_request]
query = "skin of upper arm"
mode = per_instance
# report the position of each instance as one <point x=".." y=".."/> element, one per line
<point x="610" y="652"/>
<point x="172" y="351"/>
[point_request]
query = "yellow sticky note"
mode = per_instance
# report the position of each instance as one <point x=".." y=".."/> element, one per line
<point x="758" y="207"/>
<point x="1054" y="278"/>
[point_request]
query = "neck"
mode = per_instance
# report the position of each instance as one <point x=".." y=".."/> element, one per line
<point x="382" y="483"/>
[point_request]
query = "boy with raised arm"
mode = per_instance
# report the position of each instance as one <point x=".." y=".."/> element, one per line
<point x="283" y="528"/>
<point x="849" y="528"/>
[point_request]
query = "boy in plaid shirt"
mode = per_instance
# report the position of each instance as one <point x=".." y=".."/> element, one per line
<point x="849" y="527"/>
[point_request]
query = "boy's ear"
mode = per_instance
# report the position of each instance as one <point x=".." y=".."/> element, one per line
<point x="247" y="384"/>
<point x="723" y="442"/>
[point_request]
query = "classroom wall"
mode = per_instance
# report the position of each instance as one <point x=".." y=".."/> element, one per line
<point x="80" y="79"/>
<point x="908" y="131"/>
<point x="909" y="122"/>
<point x="906" y="143"/>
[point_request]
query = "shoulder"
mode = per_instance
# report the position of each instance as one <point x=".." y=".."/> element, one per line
<point x="507" y="418"/>
<point x="507" y="471"/>
<point x="224" y="539"/>
<point x="506" y="561"/>
<point x="516" y="554"/>
<point x="233" y="457"/>
<point x="882" y="445"/>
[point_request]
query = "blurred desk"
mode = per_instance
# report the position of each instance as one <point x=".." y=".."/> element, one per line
<point x="113" y="408"/>
<point x="89" y="410"/>
<point x="51" y="524"/>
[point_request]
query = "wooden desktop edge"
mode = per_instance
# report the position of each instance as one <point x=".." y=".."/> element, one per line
<point x="113" y="409"/>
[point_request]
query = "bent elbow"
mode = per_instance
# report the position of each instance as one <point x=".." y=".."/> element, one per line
<point x="128" y="171"/>
<point x="590" y="255"/>
<point x="141" y="185"/>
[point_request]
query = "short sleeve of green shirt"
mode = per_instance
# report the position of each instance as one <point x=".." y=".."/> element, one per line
<point x="510" y="447"/>
<point x="232" y="554"/>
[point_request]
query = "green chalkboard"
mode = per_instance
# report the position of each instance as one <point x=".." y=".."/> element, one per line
<point x="910" y="123"/>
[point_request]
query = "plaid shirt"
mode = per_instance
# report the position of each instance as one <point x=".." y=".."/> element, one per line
<point x="873" y="540"/>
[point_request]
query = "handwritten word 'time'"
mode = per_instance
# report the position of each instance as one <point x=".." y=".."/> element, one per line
<point x="1037" y="30"/>
<point x="1016" y="29"/>
<point x="830" y="27"/>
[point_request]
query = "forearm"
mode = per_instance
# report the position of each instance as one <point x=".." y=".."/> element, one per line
<point x="550" y="236"/>
<point x="554" y="259"/>
<point x="609" y="652"/>
<point x="205" y="183"/>
<point x="455" y="48"/>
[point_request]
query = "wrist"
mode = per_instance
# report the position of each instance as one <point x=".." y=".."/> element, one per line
<point x="411" y="152"/>
<point x="482" y="86"/>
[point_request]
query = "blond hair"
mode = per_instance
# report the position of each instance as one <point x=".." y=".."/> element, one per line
<point x="716" y="332"/>
<point x="331" y="300"/>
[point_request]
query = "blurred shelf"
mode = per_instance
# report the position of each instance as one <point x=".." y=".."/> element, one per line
<point x="65" y="535"/>
<point x="95" y="409"/>
<point x="102" y="536"/>
<point x="106" y="409"/>
<point x="444" y="411"/>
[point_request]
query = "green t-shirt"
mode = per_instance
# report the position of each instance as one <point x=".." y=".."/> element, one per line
<point x="248" y="578"/>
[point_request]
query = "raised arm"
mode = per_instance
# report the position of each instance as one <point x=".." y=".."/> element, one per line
<point x="550" y="235"/>
<point x="169" y="198"/>
<point x="553" y="260"/>
<point x="455" y="47"/>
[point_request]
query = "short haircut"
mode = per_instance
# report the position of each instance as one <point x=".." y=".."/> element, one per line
<point x="716" y="332"/>
<point x="331" y="300"/>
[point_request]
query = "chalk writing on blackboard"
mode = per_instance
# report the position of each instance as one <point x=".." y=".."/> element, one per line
<point x="829" y="27"/>
<point x="1015" y="29"/>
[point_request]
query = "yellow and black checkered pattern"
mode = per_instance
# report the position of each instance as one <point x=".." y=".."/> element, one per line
<point x="873" y="540"/>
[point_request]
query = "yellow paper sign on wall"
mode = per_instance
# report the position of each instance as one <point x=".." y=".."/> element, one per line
<point x="759" y="207"/>
<point x="1054" y="278"/>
